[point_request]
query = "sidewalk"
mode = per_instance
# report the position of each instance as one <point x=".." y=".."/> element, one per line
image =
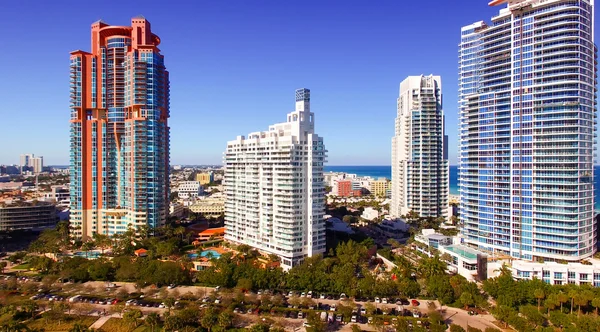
<point x="98" y="324"/>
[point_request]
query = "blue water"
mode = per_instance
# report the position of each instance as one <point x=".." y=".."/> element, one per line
<point x="386" y="172"/>
<point x="89" y="254"/>
<point x="205" y="253"/>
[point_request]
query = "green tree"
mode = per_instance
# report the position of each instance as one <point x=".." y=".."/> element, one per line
<point x="226" y="319"/>
<point x="431" y="266"/>
<point x="131" y="317"/>
<point x="596" y="304"/>
<point x="152" y="320"/>
<point x="210" y="318"/>
<point x="456" y="328"/>
<point x="539" y="295"/>
<point x="3" y="265"/>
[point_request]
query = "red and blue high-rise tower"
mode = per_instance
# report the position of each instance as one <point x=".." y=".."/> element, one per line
<point x="119" y="131"/>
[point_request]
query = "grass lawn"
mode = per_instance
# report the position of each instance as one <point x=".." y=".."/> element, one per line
<point x="50" y="325"/>
<point x="118" y="325"/>
<point x="24" y="266"/>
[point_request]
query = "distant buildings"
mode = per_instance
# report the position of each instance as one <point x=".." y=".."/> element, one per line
<point x="205" y="178"/>
<point x="37" y="164"/>
<point x="527" y="102"/>
<point x="189" y="189"/>
<point x="209" y="207"/>
<point x="420" y="181"/>
<point x="119" y="110"/>
<point x="380" y="187"/>
<point x="18" y="215"/>
<point x="29" y="162"/>
<point x="274" y="187"/>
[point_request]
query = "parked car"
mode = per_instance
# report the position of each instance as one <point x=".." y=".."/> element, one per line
<point x="377" y="300"/>
<point x="414" y="303"/>
<point x="353" y="319"/>
<point x="384" y="300"/>
<point x="171" y="286"/>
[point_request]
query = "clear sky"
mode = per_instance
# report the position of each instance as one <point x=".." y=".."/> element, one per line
<point x="234" y="66"/>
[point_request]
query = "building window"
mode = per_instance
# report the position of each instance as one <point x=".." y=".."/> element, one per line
<point x="558" y="275"/>
<point x="583" y="276"/>
<point x="546" y="274"/>
<point x="571" y="275"/>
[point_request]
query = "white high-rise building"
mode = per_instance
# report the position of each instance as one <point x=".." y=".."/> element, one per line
<point x="26" y="160"/>
<point x="37" y="163"/>
<point x="275" y="189"/>
<point x="527" y="102"/>
<point x="419" y="150"/>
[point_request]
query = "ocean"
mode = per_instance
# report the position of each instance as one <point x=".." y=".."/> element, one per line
<point x="386" y="172"/>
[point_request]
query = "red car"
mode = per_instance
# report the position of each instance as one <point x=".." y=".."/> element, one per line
<point x="414" y="303"/>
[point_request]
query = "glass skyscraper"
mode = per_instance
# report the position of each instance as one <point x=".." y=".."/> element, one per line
<point x="119" y="132"/>
<point x="527" y="102"/>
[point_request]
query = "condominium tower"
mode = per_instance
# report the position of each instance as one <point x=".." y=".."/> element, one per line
<point x="119" y="132"/>
<point x="275" y="189"/>
<point x="527" y="102"/>
<point x="419" y="150"/>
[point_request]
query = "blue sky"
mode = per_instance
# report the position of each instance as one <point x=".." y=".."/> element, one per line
<point x="234" y="66"/>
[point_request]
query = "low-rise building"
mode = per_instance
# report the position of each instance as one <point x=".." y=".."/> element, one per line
<point x="558" y="274"/>
<point x="25" y="215"/>
<point x="189" y="189"/>
<point x="58" y="194"/>
<point x="466" y="261"/>
<point x="176" y="210"/>
<point x="380" y="187"/>
<point x="370" y="213"/>
<point x="209" y="207"/>
<point x="205" y="178"/>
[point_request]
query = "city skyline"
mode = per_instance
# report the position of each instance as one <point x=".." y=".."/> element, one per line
<point x="351" y="61"/>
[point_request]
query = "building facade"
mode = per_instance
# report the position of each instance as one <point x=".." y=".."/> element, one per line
<point x="119" y="131"/>
<point x="30" y="216"/>
<point x="527" y="103"/>
<point x="420" y="181"/>
<point x="37" y="164"/>
<point x="189" y="189"/>
<point x="205" y="178"/>
<point x="344" y="188"/>
<point x="379" y="187"/>
<point x="209" y="207"/>
<point x="275" y="189"/>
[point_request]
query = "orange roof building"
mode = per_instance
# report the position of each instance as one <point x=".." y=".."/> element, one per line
<point x="141" y="252"/>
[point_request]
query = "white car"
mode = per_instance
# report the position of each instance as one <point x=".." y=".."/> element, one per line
<point x="171" y="286"/>
<point x="384" y="300"/>
<point x="290" y="294"/>
<point x="343" y="296"/>
<point x="309" y="294"/>
<point x="322" y="297"/>
<point x="332" y="307"/>
<point x="377" y="300"/>
<point x="353" y="319"/>
<point x="303" y="294"/>
<point x="217" y="301"/>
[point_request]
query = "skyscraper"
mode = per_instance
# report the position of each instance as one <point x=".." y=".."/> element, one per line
<point x="419" y="150"/>
<point x="37" y="163"/>
<point x="26" y="160"/>
<point x="119" y="131"/>
<point x="275" y="189"/>
<point x="527" y="102"/>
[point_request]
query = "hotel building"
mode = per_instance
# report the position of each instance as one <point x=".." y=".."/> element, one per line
<point x="119" y="132"/>
<point x="527" y="102"/>
<point x="275" y="189"/>
<point x="419" y="150"/>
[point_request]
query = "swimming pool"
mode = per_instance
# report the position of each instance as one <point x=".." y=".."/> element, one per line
<point x="205" y="253"/>
<point x="89" y="254"/>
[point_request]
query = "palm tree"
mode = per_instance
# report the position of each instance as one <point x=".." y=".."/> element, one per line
<point x="596" y="304"/>
<point x="180" y="231"/>
<point x="87" y="246"/>
<point x="562" y="298"/>
<point x="539" y="295"/>
<point x="572" y="295"/>
<point x="581" y="300"/>
<point x="431" y="266"/>
<point x="152" y="320"/>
